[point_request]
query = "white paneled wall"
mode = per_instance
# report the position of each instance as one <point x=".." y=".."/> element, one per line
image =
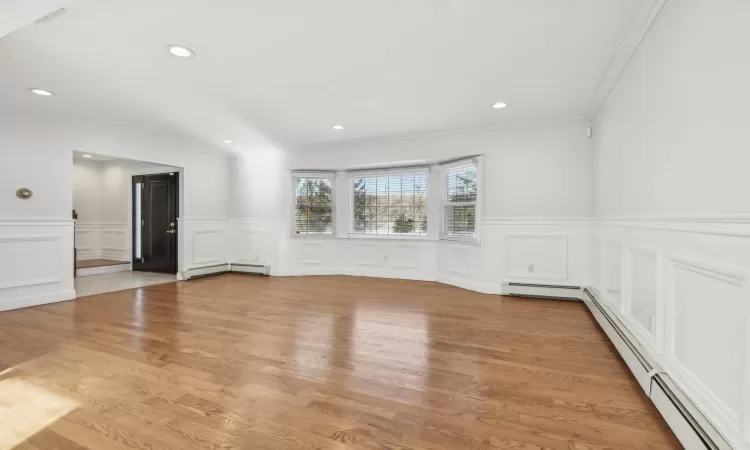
<point x="206" y="242"/>
<point x="553" y="251"/>
<point x="106" y="241"/>
<point x="538" y="255"/>
<point x="255" y="242"/>
<point x="547" y="251"/>
<point x="684" y="293"/>
<point x="37" y="262"/>
<point x="389" y="258"/>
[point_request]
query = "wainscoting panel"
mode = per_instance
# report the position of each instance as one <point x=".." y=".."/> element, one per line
<point x="405" y="256"/>
<point x="686" y="298"/>
<point x="644" y="293"/>
<point x="542" y="256"/>
<point x="706" y="333"/>
<point x="115" y="243"/>
<point x="613" y="273"/>
<point x="37" y="263"/>
<point x="208" y="247"/>
<point x="103" y="241"/>
<point x="205" y="242"/>
<point x="255" y="242"/>
<point x="87" y="243"/>
<point x="366" y="254"/>
<point x="459" y="259"/>
<point x="313" y="253"/>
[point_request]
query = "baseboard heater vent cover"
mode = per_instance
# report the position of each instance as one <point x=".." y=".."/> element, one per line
<point x="259" y="269"/>
<point x="217" y="269"/>
<point x="687" y="422"/>
<point x="558" y="292"/>
<point x="197" y="272"/>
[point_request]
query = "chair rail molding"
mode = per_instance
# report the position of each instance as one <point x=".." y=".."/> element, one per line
<point x="723" y="224"/>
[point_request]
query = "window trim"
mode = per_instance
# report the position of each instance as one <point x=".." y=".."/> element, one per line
<point x="476" y="161"/>
<point x="293" y="204"/>
<point x="356" y="174"/>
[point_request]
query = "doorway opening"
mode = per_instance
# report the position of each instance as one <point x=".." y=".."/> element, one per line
<point x="111" y="252"/>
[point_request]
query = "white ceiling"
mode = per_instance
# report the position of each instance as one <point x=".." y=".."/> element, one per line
<point x="15" y="14"/>
<point x="286" y="70"/>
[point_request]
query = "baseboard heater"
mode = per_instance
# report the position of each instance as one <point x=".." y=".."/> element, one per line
<point x="217" y="269"/>
<point x="259" y="269"/>
<point x="556" y="292"/>
<point x="688" y="423"/>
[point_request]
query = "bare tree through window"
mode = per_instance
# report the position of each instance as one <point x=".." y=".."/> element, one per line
<point x="390" y="204"/>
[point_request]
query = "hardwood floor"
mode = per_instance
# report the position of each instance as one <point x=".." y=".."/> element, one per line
<point x="88" y="263"/>
<point x="244" y="362"/>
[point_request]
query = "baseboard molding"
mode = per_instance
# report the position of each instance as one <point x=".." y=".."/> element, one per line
<point x="88" y="271"/>
<point x="37" y="300"/>
<point x="689" y="424"/>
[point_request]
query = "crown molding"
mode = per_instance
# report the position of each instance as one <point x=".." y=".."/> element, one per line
<point x="377" y="140"/>
<point x="621" y="58"/>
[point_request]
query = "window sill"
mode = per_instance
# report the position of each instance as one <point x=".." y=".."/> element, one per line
<point x="313" y="236"/>
<point x="388" y="237"/>
<point x="463" y="240"/>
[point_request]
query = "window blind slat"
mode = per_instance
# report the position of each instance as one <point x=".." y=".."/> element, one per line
<point x="313" y="206"/>
<point x="459" y="194"/>
<point x="390" y="204"/>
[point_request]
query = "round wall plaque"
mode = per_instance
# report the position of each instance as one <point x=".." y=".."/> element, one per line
<point x="24" y="193"/>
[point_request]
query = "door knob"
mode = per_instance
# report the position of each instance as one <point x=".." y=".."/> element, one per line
<point x="171" y="231"/>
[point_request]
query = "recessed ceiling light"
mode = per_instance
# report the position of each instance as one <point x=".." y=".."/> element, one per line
<point x="182" y="52"/>
<point x="86" y="156"/>
<point x="337" y="127"/>
<point x="42" y="92"/>
<point x="227" y="141"/>
<point x="499" y="105"/>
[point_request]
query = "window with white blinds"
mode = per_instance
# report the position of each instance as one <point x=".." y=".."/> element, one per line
<point x="389" y="203"/>
<point x="313" y="206"/>
<point x="459" y="200"/>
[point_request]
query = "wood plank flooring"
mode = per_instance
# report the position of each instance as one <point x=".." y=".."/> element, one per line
<point x="244" y="362"/>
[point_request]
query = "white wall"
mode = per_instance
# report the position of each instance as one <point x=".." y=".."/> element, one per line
<point x="86" y="190"/>
<point x="672" y="253"/>
<point x="39" y="156"/>
<point x="535" y="210"/>
<point x="36" y="235"/>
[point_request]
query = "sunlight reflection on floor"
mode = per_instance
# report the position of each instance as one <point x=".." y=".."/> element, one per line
<point x="26" y="409"/>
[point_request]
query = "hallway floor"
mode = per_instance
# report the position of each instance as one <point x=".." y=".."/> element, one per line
<point x="110" y="282"/>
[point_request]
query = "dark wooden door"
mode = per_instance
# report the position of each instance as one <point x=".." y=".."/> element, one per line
<point x="155" y="199"/>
